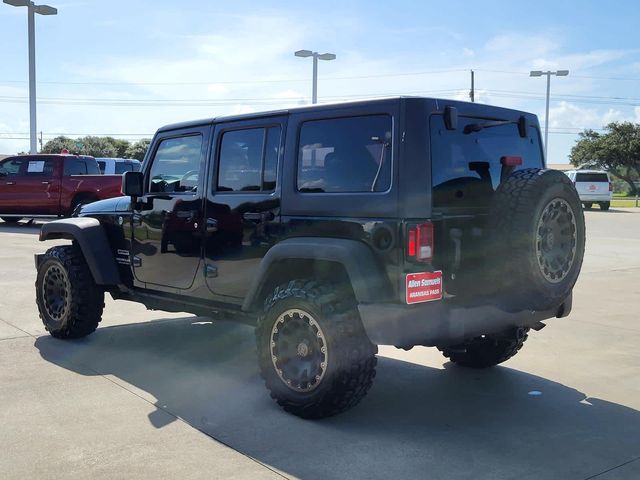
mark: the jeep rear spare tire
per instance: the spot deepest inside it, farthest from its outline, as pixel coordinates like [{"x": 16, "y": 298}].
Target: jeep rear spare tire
[
  {"x": 537, "y": 233},
  {"x": 313, "y": 353}
]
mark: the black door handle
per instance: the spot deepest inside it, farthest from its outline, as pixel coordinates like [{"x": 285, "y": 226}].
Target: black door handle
[{"x": 258, "y": 216}]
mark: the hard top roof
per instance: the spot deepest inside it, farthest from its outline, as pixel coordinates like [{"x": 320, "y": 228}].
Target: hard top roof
[{"x": 474, "y": 108}]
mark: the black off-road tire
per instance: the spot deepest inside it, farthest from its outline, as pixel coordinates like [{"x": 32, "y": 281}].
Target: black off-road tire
[
  {"x": 487, "y": 351},
  {"x": 605, "y": 206},
  {"x": 350, "y": 357},
  {"x": 528, "y": 268},
  {"x": 588, "y": 205},
  {"x": 11, "y": 219},
  {"x": 69, "y": 301}
]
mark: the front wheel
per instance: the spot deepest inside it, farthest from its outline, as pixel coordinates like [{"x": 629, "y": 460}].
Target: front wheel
[
  {"x": 69, "y": 301},
  {"x": 313, "y": 353},
  {"x": 487, "y": 350}
]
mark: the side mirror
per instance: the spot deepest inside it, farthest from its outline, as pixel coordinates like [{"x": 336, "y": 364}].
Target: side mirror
[
  {"x": 132, "y": 184},
  {"x": 450, "y": 118},
  {"x": 523, "y": 126}
]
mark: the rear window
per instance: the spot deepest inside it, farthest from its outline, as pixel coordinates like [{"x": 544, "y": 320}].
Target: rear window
[
  {"x": 466, "y": 168},
  {"x": 81, "y": 166},
  {"x": 345, "y": 155},
  {"x": 592, "y": 177}
]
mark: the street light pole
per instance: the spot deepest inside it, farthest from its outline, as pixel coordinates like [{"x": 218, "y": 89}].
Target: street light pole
[
  {"x": 539, "y": 73},
  {"x": 32, "y": 9},
  {"x": 316, "y": 56}
]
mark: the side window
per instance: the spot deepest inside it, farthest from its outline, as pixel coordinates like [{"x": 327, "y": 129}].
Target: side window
[
  {"x": 11, "y": 167},
  {"x": 345, "y": 154},
  {"x": 176, "y": 165},
  {"x": 102, "y": 165},
  {"x": 74, "y": 166},
  {"x": 248, "y": 160},
  {"x": 92, "y": 166},
  {"x": 40, "y": 168}
]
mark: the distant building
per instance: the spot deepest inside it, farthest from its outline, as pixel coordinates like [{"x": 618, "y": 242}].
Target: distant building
[{"x": 563, "y": 167}]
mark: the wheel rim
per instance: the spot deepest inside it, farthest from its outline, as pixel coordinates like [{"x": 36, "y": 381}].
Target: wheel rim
[
  {"x": 299, "y": 350},
  {"x": 556, "y": 240},
  {"x": 56, "y": 292}
]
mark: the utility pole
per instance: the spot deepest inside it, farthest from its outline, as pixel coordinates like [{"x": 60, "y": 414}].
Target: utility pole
[
  {"x": 41, "y": 140},
  {"x": 472, "y": 92}
]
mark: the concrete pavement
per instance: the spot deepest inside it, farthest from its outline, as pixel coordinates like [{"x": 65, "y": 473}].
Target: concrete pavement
[{"x": 155, "y": 395}]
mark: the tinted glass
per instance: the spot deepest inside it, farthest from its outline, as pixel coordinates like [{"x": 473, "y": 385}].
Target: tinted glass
[
  {"x": 176, "y": 165},
  {"x": 74, "y": 166},
  {"x": 102, "y": 165},
  {"x": 122, "y": 167},
  {"x": 39, "y": 167},
  {"x": 271, "y": 154},
  {"x": 345, "y": 155},
  {"x": 11, "y": 167},
  {"x": 248, "y": 160},
  {"x": 466, "y": 168},
  {"x": 92, "y": 166},
  {"x": 592, "y": 177}
]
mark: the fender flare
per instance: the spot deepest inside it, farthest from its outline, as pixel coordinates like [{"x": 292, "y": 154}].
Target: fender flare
[
  {"x": 93, "y": 242},
  {"x": 368, "y": 279}
]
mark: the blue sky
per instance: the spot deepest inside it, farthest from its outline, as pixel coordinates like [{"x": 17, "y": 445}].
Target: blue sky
[{"x": 127, "y": 68}]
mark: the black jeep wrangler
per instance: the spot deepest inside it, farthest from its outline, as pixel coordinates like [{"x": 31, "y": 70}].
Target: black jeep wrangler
[{"x": 333, "y": 229}]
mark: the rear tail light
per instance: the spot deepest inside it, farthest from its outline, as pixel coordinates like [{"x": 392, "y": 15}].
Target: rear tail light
[{"x": 420, "y": 242}]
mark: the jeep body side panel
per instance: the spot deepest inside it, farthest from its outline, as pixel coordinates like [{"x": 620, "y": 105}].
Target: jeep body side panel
[
  {"x": 366, "y": 275},
  {"x": 92, "y": 239}
]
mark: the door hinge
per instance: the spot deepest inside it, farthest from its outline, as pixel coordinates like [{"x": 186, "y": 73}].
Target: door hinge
[{"x": 210, "y": 271}]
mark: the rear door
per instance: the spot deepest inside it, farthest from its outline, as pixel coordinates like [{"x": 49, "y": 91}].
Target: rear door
[{"x": 243, "y": 203}]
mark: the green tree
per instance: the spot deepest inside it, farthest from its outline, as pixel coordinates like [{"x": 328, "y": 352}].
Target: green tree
[
  {"x": 617, "y": 150},
  {"x": 58, "y": 144},
  {"x": 138, "y": 149}
]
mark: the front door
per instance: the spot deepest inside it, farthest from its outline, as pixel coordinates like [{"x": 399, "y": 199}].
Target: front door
[
  {"x": 167, "y": 219},
  {"x": 30, "y": 185},
  {"x": 243, "y": 204}
]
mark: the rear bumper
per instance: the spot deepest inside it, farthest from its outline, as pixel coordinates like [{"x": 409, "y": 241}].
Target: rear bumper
[
  {"x": 444, "y": 323},
  {"x": 595, "y": 198}
]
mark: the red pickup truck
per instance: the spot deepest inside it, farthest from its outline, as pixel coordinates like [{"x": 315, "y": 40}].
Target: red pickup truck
[{"x": 51, "y": 185}]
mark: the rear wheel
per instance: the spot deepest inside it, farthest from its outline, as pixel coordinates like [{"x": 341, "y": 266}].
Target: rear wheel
[
  {"x": 69, "y": 301},
  {"x": 605, "y": 206},
  {"x": 11, "y": 219},
  {"x": 587, "y": 205},
  {"x": 313, "y": 353},
  {"x": 487, "y": 350}
]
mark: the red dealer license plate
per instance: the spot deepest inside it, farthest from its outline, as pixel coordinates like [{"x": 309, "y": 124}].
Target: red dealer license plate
[{"x": 424, "y": 287}]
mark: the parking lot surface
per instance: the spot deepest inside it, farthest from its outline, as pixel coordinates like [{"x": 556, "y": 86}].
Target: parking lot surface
[{"x": 156, "y": 395}]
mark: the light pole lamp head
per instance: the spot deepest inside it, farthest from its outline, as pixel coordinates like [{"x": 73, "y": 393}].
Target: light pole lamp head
[
  {"x": 327, "y": 56},
  {"x": 562, "y": 73},
  {"x": 304, "y": 53},
  {"x": 17, "y": 3},
  {"x": 535, "y": 73}
]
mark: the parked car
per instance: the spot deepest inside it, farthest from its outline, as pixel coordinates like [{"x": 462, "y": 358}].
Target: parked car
[
  {"x": 593, "y": 186},
  {"x": 117, "y": 166},
  {"x": 333, "y": 229},
  {"x": 51, "y": 185}
]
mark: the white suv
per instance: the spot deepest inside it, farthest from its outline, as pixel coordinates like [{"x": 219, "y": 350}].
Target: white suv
[{"x": 593, "y": 186}]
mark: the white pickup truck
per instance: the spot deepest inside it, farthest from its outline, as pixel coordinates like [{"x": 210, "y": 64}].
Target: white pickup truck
[
  {"x": 593, "y": 186},
  {"x": 117, "y": 166}
]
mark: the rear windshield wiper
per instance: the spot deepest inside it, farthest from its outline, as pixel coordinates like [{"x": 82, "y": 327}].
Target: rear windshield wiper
[{"x": 476, "y": 127}]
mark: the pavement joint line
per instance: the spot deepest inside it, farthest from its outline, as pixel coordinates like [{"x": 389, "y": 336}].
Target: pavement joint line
[
  {"x": 180, "y": 419},
  {"x": 14, "y": 338},
  {"x": 18, "y": 328},
  {"x": 613, "y": 468}
]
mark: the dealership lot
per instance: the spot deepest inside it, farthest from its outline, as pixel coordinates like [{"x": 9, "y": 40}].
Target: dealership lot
[{"x": 156, "y": 395}]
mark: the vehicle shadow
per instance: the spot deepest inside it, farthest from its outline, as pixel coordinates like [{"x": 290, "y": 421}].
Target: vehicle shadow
[{"x": 417, "y": 421}]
